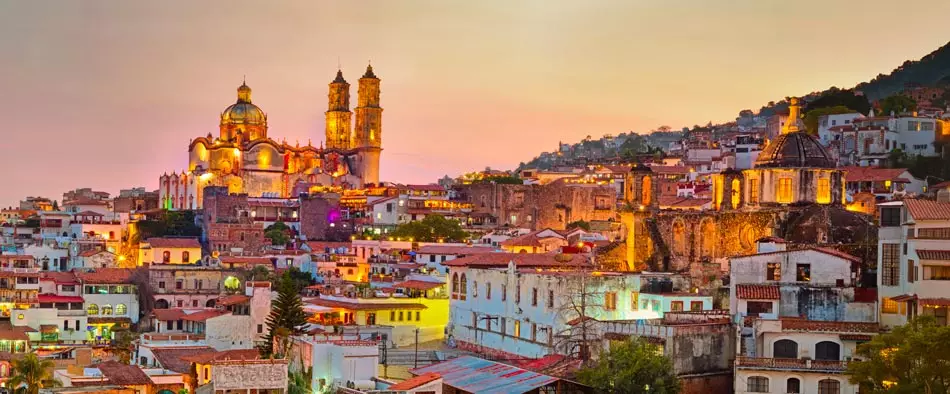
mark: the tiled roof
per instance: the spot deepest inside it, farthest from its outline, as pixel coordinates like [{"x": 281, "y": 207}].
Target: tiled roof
[
  {"x": 418, "y": 285},
  {"x": 162, "y": 242},
  {"x": 227, "y": 355},
  {"x": 107, "y": 276},
  {"x": 828, "y": 251},
  {"x": 670, "y": 170},
  {"x": 247, "y": 260},
  {"x": 934, "y": 301},
  {"x": 60, "y": 278},
  {"x": 321, "y": 246},
  {"x": 123, "y": 374},
  {"x": 233, "y": 299},
  {"x": 454, "y": 250},
  {"x": 44, "y": 298},
  {"x": 930, "y": 254},
  {"x": 477, "y": 375},
  {"x": 173, "y": 358},
  {"x": 488, "y": 260},
  {"x": 927, "y": 210},
  {"x": 168, "y": 314},
  {"x": 202, "y": 316},
  {"x": 870, "y": 174},
  {"x": 92, "y": 252},
  {"x": 829, "y": 326},
  {"x": 415, "y": 382},
  {"x": 757, "y": 292}
]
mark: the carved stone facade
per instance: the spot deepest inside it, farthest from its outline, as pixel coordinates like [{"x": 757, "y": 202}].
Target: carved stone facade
[
  {"x": 553, "y": 205},
  {"x": 250, "y": 375},
  {"x": 227, "y": 222}
]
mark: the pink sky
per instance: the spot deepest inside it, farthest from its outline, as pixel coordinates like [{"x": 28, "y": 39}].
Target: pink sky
[{"x": 106, "y": 94}]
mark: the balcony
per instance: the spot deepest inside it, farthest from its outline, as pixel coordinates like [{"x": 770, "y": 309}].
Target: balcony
[
  {"x": 796, "y": 364},
  {"x": 70, "y": 312}
]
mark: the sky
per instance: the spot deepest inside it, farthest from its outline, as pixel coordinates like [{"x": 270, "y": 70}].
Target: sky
[{"x": 107, "y": 94}]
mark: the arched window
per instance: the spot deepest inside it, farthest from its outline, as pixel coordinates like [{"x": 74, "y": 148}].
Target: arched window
[
  {"x": 645, "y": 192},
  {"x": 455, "y": 285},
  {"x": 793, "y": 386},
  {"x": 463, "y": 292},
  {"x": 757, "y": 384},
  {"x": 679, "y": 238},
  {"x": 829, "y": 386},
  {"x": 92, "y": 309},
  {"x": 106, "y": 309},
  {"x": 166, "y": 257},
  {"x": 121, "y": 309},
  {"x": 161, "y": 304},
  {"x": 709, "y": 238},
  {"x": 826, "y": 350},
  {"x": 487, "y": 290},
  {"x": 785, "y": 348},
  {"x": 185, "y": 257},
  {"x": 735, "y": 193}
]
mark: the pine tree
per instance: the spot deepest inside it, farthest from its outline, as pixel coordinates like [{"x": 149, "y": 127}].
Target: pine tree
[{"x": 286, "y": 317}]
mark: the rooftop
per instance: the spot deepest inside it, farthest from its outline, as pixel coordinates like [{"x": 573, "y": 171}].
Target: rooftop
[
  {"x": 927, "y": 209},
  {"x": 107, "y": 276},
  {"x": 168, "y": 242},
  {"x": 174, "y": 358},
  {"x": 499, "y": 260},
  {"x": 476, "y": 375}
]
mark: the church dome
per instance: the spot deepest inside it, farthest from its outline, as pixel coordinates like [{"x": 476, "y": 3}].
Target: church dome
[
  {"x": 798, "y": 149},
  {"x": 243, "y": 111}
]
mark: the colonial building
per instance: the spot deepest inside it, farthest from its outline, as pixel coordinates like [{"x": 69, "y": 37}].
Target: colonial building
[{"x": 245, "y": 159}]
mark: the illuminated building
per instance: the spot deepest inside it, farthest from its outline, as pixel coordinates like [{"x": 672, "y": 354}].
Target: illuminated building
[
  {"x": 245, "y": 159},
  {"x": 111, "y": 301}
]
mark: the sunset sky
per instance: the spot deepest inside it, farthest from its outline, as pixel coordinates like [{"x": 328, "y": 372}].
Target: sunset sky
[{"x": 107, "y": 94}]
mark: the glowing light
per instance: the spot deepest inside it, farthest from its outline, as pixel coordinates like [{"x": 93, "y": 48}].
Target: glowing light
[{"x": 205, "y": 176}]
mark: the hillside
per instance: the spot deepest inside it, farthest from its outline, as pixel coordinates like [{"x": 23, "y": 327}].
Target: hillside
[{"x": 930, "y": 70}]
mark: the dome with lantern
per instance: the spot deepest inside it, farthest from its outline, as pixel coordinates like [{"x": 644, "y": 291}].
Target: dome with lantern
[{"x": 243, "y": 111}]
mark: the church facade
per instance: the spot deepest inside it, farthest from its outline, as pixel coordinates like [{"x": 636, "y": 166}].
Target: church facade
[{"x": 245, "y": 160}]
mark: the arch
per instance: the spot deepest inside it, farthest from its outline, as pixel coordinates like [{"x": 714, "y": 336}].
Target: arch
[
  {"x": 785, "y": 348},
  {"x": 679, "y": 238},
  {"x": 107, "y": 310},
  {"x": 92, "y": 309},
  {"x": 747, "y": 237},
  {"x": 185, "y": 257},
  {"x": 463, "y": 292},
  {"x": 646, "y": 186},
  {"x": 121, "y": 309},
  {"x": 708, "y": 238},
  {"x": 793, "y": 386},
  {"x": 827, "y": 350},
  {"x": 166, "y": 257},
  {"x": 210, "y": 303},
  {"x": 734, "y": 191},
  {"x": 829, "y": 386},
  {"x": 161, "y": 303},
  {"x": 455, "y": 285}
]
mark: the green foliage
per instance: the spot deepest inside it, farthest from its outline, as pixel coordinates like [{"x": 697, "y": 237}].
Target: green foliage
[
  {"x": 278, "y": 233},
  {"x": 259, "y": 273},
  {"x": 921, "y": 166},
  {"x": 298, "y": 383},
  {"x": 172, "y": 223},
  {"x": 123, "y": 345},
  {"x": 835, "y": 97},
  {"x": 32, "y": 373},
  {"x": 929, "y": 70},
  {"x": 914, "y": 357},
  {"x": 632, "y": 366},
  {"x": 299, "y": 278},
  {"x": 431, "y": 229},
  {"x": 811, "y": 117},
  {"x": 897, "y": 104},
  {"x": 579, "y": 224},
  {"x": 286, "y": 317}
]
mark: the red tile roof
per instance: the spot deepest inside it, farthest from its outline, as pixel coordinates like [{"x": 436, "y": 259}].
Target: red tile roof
[
  {"x": 233, "y": 299},
  {"x": 793, "y": 324},
  {"x": 934, "y": 301},
  {"x": 174, "y": 358},
  {"x": 168, "y": 314},
  {"x": 417, "y": 285},
  {"x": 871, "y": 174},
  {"x": 454, "y": 250},
  {"x": 529, "y": 239},
  {"x": 927, "y": 210},
  {"x": 415, "y": 382},
  {"x": 929, "y": 254},
  {"x": 670, "y": 170},
  {"x": 123, "y": 374},
  {"x": 107, "y": 276},
  {"x": 203, "y": 315},
  {"x": 88, "y": 213},
  {"x": 246, "y": 260},
  {"x": 46, "y": 298},
  {"x": 227, "y": 355},
  {"x": 757, "y": 292},
  {"x": 60, "y": 278},
  {"x": 163, "y": 242},
  {"x": 92, "y": 252},
  {"x": 320, "y": 246},
  {"x": 363, "y": 306},
  {"x": 488, "y": 260}
]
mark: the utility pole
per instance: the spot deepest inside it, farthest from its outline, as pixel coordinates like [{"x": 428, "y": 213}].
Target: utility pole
[{"x": 415, "y": 362}]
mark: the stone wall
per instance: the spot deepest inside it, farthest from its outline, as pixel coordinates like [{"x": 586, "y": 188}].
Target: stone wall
[
  {"x": 707, "y": 384},
  {"x": 245, "y": 375},
  {"x": 553, "y": 205},
  {"x": 316, "y": 214}
]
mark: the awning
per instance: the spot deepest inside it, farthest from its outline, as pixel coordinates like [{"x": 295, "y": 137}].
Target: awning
[
  {"x": 904, "y": 297},
  {"x": 935, "y": 302}
]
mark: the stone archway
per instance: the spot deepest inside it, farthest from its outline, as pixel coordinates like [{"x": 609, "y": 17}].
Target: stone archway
[{"x": 161, "y": 303}]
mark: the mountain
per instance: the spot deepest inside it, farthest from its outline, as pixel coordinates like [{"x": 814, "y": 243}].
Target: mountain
[{"x": 930, "y": 70}]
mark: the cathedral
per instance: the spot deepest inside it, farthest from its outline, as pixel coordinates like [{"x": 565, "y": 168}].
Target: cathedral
[{"x": 243, "y": 158}]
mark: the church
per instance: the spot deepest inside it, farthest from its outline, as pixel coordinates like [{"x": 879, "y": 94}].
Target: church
[{"x": 243, "y": 158}]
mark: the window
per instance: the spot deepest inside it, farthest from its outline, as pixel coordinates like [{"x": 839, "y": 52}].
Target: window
[
  {"x": 755, "y": 308},
  {"x": 829, "y": 386},
  {"x": 610, "y": 301},
  {"x": 518, "y": 293},
  {"x": 676, "y": 306},
  {"x": 936, "y": 272},
  {"x": 161, "y": 284},
  {"x": 392, "y": 316},
  {"x": 487, "y": 290},
  {"x": 179, "y": 284},
  {"x": 803, "y": 272},
  {"x": 695, "y": 305},
  {"x": 475, "y": 289},
  {"x": 166, "y": 257},
  {"x": 185, "y": 257},
  {"x": 431, "y": 258},
  {"x": 826, "y": 350},
  {"x": 824, "y": 191},
  {"x": 757, "y": 384},
  {"x": 753, "y": 191},
  {"x": 890, "y": 216},
  {"x": 534, "y": 331},
  {"x": 180, "y": 303},
  {"x": 400, "y": 315},
  {"x": 634, "y": 301},
  {"x": 932, "y": 233},
  {"x": 785, "y": 348},
  {"x": 784, "y": 190},
  {"x": 107, "y": 310},
  {"x": 121, "y": 309},
  {"x": 890, "y": 268},
  {"x": 793, "y": 386},
  {"x": 888, "y": 305},
  {"x": 773, "y": 271},
  {"x": 194, "y": 303},
  {"x": 504, "y": 292},
  {"x": 550, "y": 298},
  {"x": 417, "y": 315},
  {"x": 534, "y": 296},
  {"x": 92, "y": 309},
  {"x": 455, "y": 286},
  {"x": 517, "y": 332},
  {"x": 912, "y": 271},
  {"x": 464, "y": 291}
]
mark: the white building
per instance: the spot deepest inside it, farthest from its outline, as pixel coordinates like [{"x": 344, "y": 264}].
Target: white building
[
  {"x": 826, "y": 122},
  {"x": 111, "y": 299},
  {"x": 433, "y": 256},
  {"x": 913, "y": 262},
  {"x": 336, "y": 362},
  {"x": 246, "y": 323}
]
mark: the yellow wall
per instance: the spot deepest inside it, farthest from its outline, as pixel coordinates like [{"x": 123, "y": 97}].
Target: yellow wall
[
  {"x": 435, "y": 314},
  {"x": 194, "y": 254}
]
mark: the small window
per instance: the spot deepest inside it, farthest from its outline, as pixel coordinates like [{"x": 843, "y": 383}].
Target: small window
[
  {"x": 92, "y": 309},
  {"x": 757, "y": 384},
  {"x": 695, "y": 305},
  {"x": 550, "y": 298},
  {"x": 517, "y": 332},
  {"x": 417, "y": 315},
  {"x": 829, "y": 386},
  {"x": 504, "y": 292},
  {"x": 676, "y": 306},
  {"x": 166, "y": 257},
  {"x": 803, "y": 273},
  {"x": 260, "y": 328},
  {"x": 121, "y": 309},
  {"x": 773, "y": 271},
  {"x": 610, "y": 301},
  {"x": 487, "y": 290},
  {"x": 785, "y": 348},
  {"x": 185, "y": 257},
  {"x": 475, "y": 289},
  {"x": 793, "y": 386},
  {"x": 534, "y": 296}
]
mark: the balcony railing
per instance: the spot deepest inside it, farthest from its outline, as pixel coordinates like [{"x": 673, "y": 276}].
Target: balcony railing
[
  {"x": 71, "y": 312},
  {"x": 791, "y": 363}
]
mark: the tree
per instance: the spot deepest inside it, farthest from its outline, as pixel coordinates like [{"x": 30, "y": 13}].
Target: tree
[
  {"x": 811, "y": 117},
  {"x": 581, "y": 303},
  {"x": 285, "y": 319},
  {"x": 631, "y": 366},
  {"x": 579, "y": 224},
  {"x": 834, "y": 97},
  {"x": 55, "y": 205},
  {"x": 123, "y": 345},
  {"x": 431, "y": 229},
  {"x": 299, "y": 278},
  {"x": 897, "y": 104},
  {"x": 278, "y": 233},
  {"x": 32, "y": 373},
  {"x": 910, "y": 359}
]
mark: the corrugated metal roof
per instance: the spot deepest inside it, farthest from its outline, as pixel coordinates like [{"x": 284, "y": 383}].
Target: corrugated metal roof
[{"x": 478, "y": 375}]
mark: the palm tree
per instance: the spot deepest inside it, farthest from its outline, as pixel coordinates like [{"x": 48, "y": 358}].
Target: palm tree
[{"x": 32, "y": 373}]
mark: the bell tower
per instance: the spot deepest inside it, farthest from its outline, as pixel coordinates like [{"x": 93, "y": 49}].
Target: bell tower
[
  {"x": 369, "y": 127},
  {"x": 338, "y": 115}
]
